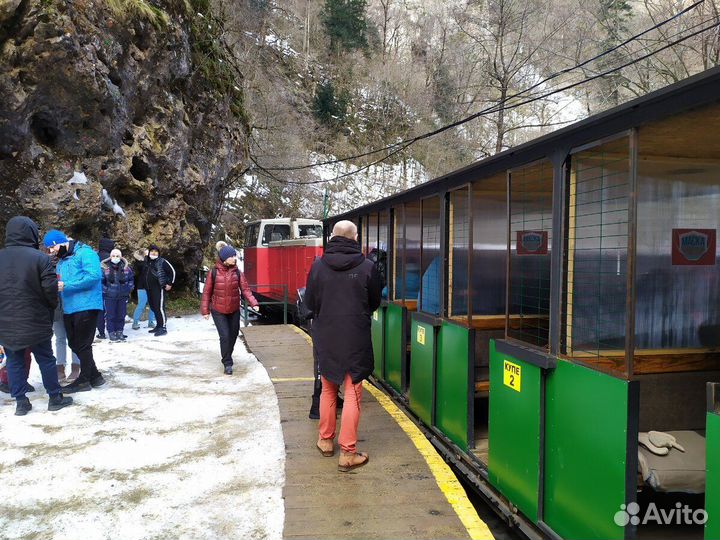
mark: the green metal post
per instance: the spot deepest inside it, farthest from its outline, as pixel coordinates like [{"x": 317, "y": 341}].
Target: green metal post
[{"x": 326, "y": 205}]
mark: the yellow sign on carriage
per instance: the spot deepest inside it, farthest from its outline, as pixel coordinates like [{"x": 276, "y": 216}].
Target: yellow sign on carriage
[
  {"x": 512, "y": 375},
  {"x": 421, "y": 335}
]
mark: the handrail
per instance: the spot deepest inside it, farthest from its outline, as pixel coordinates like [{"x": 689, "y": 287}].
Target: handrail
[{"x": 284, "y": 302}]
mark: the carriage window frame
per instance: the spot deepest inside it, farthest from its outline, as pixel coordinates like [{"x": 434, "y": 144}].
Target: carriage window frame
[
  {"x": 598, "y": 362},
  {"x": 440, "y": 200},
  {"x": 511, "y": 318},
  {"x": 451, "y": 267}
]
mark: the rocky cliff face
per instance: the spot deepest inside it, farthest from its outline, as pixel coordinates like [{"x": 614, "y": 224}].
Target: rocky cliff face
[{"x": 109, "y": 125}]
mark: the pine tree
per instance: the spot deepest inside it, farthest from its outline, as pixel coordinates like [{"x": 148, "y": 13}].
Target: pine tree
[
  {"x": 328, "y": 107},
  {"x": 346, "y": 24}
]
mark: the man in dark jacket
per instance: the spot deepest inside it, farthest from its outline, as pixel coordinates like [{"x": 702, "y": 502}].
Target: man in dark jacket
[
  {"x": 343, "y": 290},
  {"x": 160, "y": 278},
  {"x": 28, "y": 298}
]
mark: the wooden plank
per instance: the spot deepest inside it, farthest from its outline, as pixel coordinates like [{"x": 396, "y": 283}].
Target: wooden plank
[
  {"x": 394, "y": 496},
  {"x": 482, "y": 386},
  {"x": 652, "y": 361},
  {"x": 572, "y": 222}
]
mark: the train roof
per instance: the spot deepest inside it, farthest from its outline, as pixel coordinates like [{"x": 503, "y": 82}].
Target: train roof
[
  {"x": 303, "y": 221},
  {"x": 698, "y": 90}
]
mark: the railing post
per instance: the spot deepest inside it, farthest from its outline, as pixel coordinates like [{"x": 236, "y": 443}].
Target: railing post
[
  {"x": 285, "y": 298},
  {"x": 245, "y": 313}
]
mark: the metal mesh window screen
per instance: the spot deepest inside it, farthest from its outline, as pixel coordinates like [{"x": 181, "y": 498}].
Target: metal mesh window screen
[
  {"x": 365, "y": 234},
  {"x": 459, "y": 244},
  {"x": 383, "y": 250},
  {"x": 489, "y": 264},
  {"x": 530, "y": 239},
  {"x": 398, "y": 254},
  {"x": 596, "y": 252},
  {"x": 412, "y": 250},
  {"x": 372, "y": 242},
  {"x": 431, "y": 263}
]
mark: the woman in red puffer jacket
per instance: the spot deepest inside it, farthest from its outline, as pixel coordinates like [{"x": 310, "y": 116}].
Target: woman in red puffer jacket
[{"x": 221, "y": 299}]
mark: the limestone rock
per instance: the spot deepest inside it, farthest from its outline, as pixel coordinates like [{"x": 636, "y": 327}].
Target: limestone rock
[
  {"x": 122, "y": 103},
  {"x": 8, "y": 9}
]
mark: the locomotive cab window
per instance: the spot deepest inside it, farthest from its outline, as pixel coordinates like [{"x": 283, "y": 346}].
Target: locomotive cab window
[
  {"x": 310, "y": 231},
  {"x": 251, "y": 235},
  {"x": 274, "y": 233}
]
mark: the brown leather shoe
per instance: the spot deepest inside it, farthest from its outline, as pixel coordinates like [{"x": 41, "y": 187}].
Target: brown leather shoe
[
  {"x": 326, "y": 447},
  {"x": 352, "y": 460},
  {"x": 61, "y": 374}
]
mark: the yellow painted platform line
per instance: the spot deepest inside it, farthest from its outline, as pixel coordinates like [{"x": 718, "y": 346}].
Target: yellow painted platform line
[
  {"x": 303, "y": 334},
  {"x": 292, "y": 379},
  {"x": 446, "y": 480}
]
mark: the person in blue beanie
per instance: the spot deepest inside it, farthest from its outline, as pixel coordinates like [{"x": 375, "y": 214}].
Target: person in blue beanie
[{"x": 80, "y": 286}]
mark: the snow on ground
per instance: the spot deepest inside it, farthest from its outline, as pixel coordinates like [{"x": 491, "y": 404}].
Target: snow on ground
[{"x": 169, "y": 448}]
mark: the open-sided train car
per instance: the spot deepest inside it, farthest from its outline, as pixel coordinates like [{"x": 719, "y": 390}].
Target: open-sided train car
[
  {"x": 549, "y": 306},
  {"x": 277, "y": 256}
]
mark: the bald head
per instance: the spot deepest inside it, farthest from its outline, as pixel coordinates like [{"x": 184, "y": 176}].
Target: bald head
[{"x": 346, "y": 229}]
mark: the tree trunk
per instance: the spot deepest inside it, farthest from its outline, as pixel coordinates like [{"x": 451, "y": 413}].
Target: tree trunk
[{"x": 501, "y": 120}]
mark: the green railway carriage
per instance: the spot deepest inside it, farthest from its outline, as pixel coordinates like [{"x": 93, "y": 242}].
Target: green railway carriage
[{"x": 547, "y": 307}]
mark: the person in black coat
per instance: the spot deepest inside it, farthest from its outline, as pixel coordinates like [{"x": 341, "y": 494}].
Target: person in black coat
[
  {"x": 160, "y": 278},
  {"x": 105, "y": 246},
  {"x": 343, "y": 290},
  {"x": 28, "y": 298}
]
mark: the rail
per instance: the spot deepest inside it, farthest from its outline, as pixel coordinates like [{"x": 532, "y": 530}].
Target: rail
[{"x": 284, "y": 301}]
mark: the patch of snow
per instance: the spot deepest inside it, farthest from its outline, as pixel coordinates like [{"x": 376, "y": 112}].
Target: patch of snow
[
  {"x": 111, "y": 203},
  {"x": 78, "y": 178},
  {"x": 170, "y": 447}
]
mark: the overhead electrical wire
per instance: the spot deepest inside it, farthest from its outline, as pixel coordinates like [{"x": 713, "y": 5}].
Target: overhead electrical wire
[
  {"x": 402, "y": 145},
  {"x": 496, "y": 106}
]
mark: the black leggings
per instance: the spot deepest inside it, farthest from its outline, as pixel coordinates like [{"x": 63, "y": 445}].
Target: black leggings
[
  {"x": 228, "y": 328},
  {"x": 80, "y": 328},
  {"x": 156, "y": 299}
]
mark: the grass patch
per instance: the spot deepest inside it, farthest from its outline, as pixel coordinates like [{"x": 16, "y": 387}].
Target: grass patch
[
  {"x": 126, "y": 9},
  {"x": 184, "y": 303},
  {"x": 177, "y": 304}
]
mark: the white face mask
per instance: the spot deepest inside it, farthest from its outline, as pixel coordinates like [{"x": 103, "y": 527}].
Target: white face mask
[
  {"x": 153, "y": 257},
  {"x": 115, "y": 260}
]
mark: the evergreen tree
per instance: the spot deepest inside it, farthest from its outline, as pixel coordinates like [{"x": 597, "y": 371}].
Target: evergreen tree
[
  {"x": 346, "y": 24},
  {"x": 328, "y": 107}
]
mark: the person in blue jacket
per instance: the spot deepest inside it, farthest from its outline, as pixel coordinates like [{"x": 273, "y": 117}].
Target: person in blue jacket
[
  {"x": 117, "y": 284},
  {"x": 80, "y": 285}
]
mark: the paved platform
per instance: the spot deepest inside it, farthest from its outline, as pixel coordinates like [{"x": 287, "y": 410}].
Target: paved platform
[{"x": 403, "y": 492}]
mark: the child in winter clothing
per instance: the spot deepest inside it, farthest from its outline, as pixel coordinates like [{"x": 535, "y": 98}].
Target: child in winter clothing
[
  {"x": 223, "y": 287},
  {"x": 4, "y": 382},
  {"x": 117, "y": 282}
]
